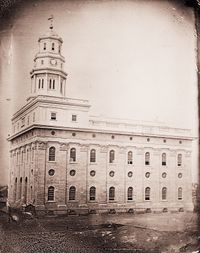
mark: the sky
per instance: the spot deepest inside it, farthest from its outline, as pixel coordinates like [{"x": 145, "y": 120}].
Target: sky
[{"x": 131, "y": 59}]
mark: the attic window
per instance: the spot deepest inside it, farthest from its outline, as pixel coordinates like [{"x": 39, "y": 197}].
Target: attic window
[
  {"x": 53, "y": 116},
  {"x": 74, "y": 117}
]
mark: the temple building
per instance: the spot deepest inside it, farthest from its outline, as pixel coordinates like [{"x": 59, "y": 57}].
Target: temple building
[{"x": 62, "y": 160}]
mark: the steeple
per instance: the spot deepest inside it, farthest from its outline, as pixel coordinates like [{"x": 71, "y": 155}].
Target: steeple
[{"x": 48, "y": 76}]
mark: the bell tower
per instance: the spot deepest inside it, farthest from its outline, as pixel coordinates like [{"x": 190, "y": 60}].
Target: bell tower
[{"x": 47, "y": 76}]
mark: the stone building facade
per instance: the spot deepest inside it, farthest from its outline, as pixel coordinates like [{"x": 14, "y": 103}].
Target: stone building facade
[{"x": 63, "y": 160}]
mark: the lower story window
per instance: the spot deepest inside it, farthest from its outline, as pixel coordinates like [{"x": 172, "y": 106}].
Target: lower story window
[{"x": 51, "y": 193}]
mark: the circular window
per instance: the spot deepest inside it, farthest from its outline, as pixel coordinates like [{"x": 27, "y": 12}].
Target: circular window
[
  {"x": 72, "y": 172},
  {"x": 180, "y": 175},
  {"x": 51, "y": 172},
  {"x": 113, "y": 137},
  {"x": 180, "y": 142},
  {"x": 94, "y": 135},
  {"x": 147, "y": 175},
  {"x": 53, "y": 132},
  {"x": 130, "y": 174},
  {"x": 112, "y": 173},
  {"x": 164, "y": 141},
  {"x": 92, "y": 173},
  {"x": 164, "y": 174},
  {"x": 73, "y": 134},
  {"x": 148, "y": 139},
  {"x": 131, "y": 138}
]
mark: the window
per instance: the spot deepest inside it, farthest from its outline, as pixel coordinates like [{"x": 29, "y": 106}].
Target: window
[
  {"x": 180, "y": 193},
  {"x": 147, "y": 174},
  {"x": 72, "y": 193},
  {"x": 92, "y": 173},
  {"x": 130, "y": 193},
  {"x": 50, "y": 84},
  {"x": 45, "y": 45},
  {"x": 53, "y": 84},
  {"x": 42, "y": 62},
  {"x": 51, "y": 193},
  {"x": 164, "y": 193},
  {"x": 130, "y": 157},
  {"x": 20, "y": 188},
  {"x": 28, "y": 120},
  {"x": 51, "y": 172},
  {"x": 42, "y": 83},
  {"x": 53, "y": 46},
  {"x": 15, "y": 190},
  {"x": 74, "y": 117},
  {"x": 34, "y": 117},
  {"x": 147, "y": 193},
  {"x": 92, "y": 193},
  {"x": 112, "y": 193},
  {"x": 147, "y": 158},
  {"x": 59, "y": 49},
  {"x": 72, "y": 155},
  {"x": 53, "y": 115},
  {"x": 27, "y": 155},
  {"x": 39, "y": 84},
  {"x": 179, "y": 159},
  {"x": 52, "y": 153},
  {"x": 111, "y": 156},
  {"x": 26, "y": 190},
  {"x": 164, "y": 159},
  {"x": 93, "y": 156},
  {"x": 61, "y": 86}
]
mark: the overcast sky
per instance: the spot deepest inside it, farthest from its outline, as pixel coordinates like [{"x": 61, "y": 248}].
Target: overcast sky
[{"x": 130, "y": 59}]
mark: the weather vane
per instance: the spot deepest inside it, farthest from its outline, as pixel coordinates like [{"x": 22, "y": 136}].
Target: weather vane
[{"x": 51, "y": 22}]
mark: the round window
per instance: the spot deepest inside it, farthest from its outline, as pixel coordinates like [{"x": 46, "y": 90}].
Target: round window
[
  {"x": 131, "y": 138},
  {"x": 73, "y": 134},
  {"x": 53, "y": 132},
  {"x": 51, "y": 172},
  {"x": 94, "y": 135},
  {"x": 72, "y": 172},
  {"x": 164, "y": 174},
  {"x": 92, "y": 173},
  {"x": 148, "y": 139},
  {"x": 147, "y": 175},
  {"x": 112, "y": 173},
  {"x": 180, "y": 175},
  {"x": 130, "y": 174}
]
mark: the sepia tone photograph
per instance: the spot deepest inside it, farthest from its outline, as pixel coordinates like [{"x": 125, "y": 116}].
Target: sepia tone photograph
[{"x": 99, "y": 130}]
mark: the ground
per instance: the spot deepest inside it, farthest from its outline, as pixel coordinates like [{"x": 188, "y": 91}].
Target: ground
[{"x": 156, "y": 233}]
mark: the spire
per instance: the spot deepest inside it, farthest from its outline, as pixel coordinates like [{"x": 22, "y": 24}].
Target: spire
[{"x": 51, "y": 22}]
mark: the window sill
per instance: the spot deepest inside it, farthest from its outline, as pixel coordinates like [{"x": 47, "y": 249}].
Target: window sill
[
  {"x": 51, "y": 201},
  {"x": 73, "y": 162},
  {"x": 93, "y": 163}
]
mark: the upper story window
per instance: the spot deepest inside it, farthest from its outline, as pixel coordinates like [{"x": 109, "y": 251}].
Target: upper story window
[
  {"x": 111, "y": 156},
  {"x": 74, "y": 117},
  {"x": 72, "y": 155},
  {"x": 147, "y": 158},
  {"x": 130, "y": 193},
  {"x": 130, "y": 157},
  {"x": 61, "y": 86},
  {"x": 147, "y": 193},
  {"x": 93, "y": 156},
  {"x": 23, "y": 122},
  {"x": 112, "y": 193},
  {"x": 53, "y": 115},
  {"x": 42, "y": 84},
  {"x": 92, "y": 193},
  {"x": 51, "y": 191},
  {"x": 52, "y": 84},
  {"x": 164, "y": 159},
  {"x": 39, "y": 83},
  {"x": 53, "y": 46},
  {"x": 59, "y": 49},
  {"x": 164, "y": 193},
  {"x": 179, "y": 159},
  {"x": 45, "y": 46},
  {"x": 52, "y": 154},
  {"x": 72, "y": 193},
  {"x": 42, "y": 62}
]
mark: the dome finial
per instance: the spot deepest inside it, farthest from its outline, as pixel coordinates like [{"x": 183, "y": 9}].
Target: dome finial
[{"x": 51, "y": 22}]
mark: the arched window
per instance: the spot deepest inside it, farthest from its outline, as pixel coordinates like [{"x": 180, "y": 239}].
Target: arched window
[
  {"x": 20, "y": 188},
  {"x": 52, "y": 154},
  {"x": 130, "y": 193},
  {"x": 164, "y": 159},
  {"x": 147, "y": 193},
  {"x": 39, "y": 84},
  {"x": 15, "y": 190},
  {"x": 50, "y": 83},
  {"x": 180, "y": 193},
  {"x": 72, "y": 193},
  {"x": 53, "y": 84},
  {"x": 130, "y": 157},
  {"x": 72, "y": 155},
  {"x": 92, "y": 193},
  {"x": 164, "y": 193},
  {"x": 93, "y": 156},
  {"x": 179, "y": 159},
  {"x": 51, "y": 191},
  {"x": 45, "y": 45},
  {"x": 53, "y": 46},
  {"x": 111, "y": 156},
  {"x": 42, "y": 83},
  {"x": 25, "y": 190},
  {"x": 112, "y": 193},
  {"x": 147, "y": 158}
]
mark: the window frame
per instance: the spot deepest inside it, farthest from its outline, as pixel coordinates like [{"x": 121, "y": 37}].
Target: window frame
[
  {"x": 52, "y": 154},
  {"x": 164, "y": 159},
  {"x": 93, "y": 155},
  {"x": 53, "y": 116},
  {"x": 72, "y": 155},
  {"x": 130, "y": 157},
  {"x": 72, "y": 193},
  {"x": 147, "y": 194},
  {"x": 164, "y": 193},
  {"x": 130, "y": 193},
  {"x": 92, "y": 193},
  {"x": 51, "y": 194},
  {"x": 111, "y": 156},
  {"x": 147, "y": 158},
  {"x": 112, "y": 193}
]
